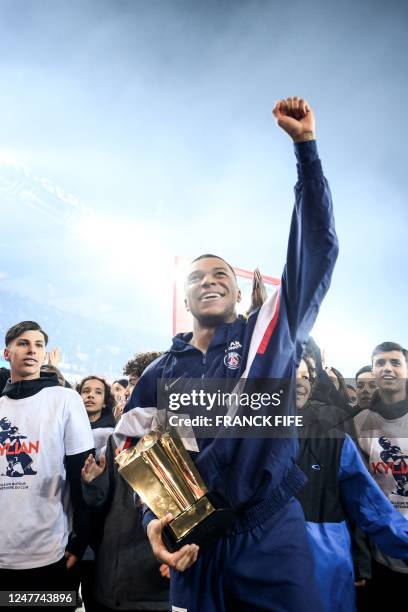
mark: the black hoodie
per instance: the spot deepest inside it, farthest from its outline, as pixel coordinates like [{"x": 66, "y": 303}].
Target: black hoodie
[{"x": 27, "y": 388}]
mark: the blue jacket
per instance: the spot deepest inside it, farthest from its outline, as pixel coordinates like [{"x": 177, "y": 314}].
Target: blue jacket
[
  {"x": 340, "y": 487},
  {"x": 268, "y": 345}
]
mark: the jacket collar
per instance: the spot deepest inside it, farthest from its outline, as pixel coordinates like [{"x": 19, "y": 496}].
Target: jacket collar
[{"x": 223, "y": 333}]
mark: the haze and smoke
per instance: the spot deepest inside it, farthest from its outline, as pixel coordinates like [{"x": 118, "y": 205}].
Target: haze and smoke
[{"x": 135, "y": 131}]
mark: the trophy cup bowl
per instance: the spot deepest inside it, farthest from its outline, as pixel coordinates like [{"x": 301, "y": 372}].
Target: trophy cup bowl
[{"x": 166, "y": 479}]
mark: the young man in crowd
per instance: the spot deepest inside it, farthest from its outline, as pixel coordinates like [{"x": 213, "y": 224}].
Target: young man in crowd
[
  {"x": 340, "y": 492},
  {"x": 45, "y": 437},
  {"x": 263, "y": 561},
  {"x": 134, "y": 368},
  {"x": 383, "y": 438}
]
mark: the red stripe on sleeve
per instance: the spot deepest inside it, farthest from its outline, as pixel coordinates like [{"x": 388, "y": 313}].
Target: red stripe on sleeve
[
  {"x": 128, "y": 443},
  {"x": 269, "y": 330}
]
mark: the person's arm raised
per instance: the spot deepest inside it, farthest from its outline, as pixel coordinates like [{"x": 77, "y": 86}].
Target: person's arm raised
[{"x": 313, "y": 246}]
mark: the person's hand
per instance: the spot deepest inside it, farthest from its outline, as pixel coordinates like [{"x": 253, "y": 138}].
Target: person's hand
[
  {"x": 118, "y": 409},
  {"x": 181, "y": 559},
  {"x": 164, "y": 571},
  {"x": 360, "y": 583},
  {"x": 259, "y": 293},
  {"x": 91, "y": 469},
  {"x": 70, "y": 559},
  {"x": 54, "y": 357},
  {"x": 295, "y": 117}
]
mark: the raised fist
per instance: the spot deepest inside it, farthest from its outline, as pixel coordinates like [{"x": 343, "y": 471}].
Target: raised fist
[{"x": 295, "y": 116}]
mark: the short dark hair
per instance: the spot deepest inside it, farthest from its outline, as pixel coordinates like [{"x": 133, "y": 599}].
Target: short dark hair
[
  {"x": 108, "y": 398},
  {"x": 123, "y": 382},
  {"x": 386, "y": 347},
  {"x": 350, "y": 387},
  {"x": 211, "y": 255},
  {"x": 140, "y": 361},
  {"x": 363, "y": 370},
  {"x": 20, "y": 328}
]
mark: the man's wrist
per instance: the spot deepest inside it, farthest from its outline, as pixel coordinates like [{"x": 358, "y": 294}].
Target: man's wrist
[
  {"x": 305, "y": 137},
  {"x": 306, "y": 152}
]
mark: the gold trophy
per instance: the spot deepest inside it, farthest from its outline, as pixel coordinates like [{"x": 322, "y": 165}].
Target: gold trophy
[{"x": 166, "y": 479}]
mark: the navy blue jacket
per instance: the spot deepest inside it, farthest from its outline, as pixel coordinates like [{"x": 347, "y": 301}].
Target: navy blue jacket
[{"x": 268, "y": 345}]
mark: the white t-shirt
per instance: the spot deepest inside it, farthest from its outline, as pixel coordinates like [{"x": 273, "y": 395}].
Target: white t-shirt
[
  {"x": 386, "y": 455},
  {"x": 35, "y": 435}
]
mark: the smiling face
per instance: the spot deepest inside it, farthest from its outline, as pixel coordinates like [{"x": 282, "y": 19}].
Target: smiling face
[
  {"x": 26, "y": 354},
  {"x": 93, "y": 395},
  {"x": 390, "y": 373},
  {"x": 211, "y": 292},
  {"x": 303, "y": 385}
]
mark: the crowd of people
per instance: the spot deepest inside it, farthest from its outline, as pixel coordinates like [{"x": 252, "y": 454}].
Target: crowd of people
[{"x": 318, "y": 522}]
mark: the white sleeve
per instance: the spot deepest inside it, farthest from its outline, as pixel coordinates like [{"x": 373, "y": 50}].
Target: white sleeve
[{"x": 77, "y": 432}]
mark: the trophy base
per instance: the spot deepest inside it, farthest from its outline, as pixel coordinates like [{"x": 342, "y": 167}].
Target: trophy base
[{"x": 201, "y": 524}]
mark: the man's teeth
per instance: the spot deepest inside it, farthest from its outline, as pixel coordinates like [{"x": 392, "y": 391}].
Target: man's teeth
[{"x": 211, "y": 296}]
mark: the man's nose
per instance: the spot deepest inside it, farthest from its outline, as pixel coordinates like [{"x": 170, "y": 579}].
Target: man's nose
[{"x": 207, "y": 280}]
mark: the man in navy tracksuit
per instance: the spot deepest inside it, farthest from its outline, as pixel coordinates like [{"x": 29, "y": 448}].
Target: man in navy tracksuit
[{"x": 263, "y": 561}]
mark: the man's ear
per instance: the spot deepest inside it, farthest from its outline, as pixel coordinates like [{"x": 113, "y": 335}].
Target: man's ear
[
  {"x": 6, "y": 354},
  {"x": 239, "y": 296},
  {"x": 186, "y": 305}
]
